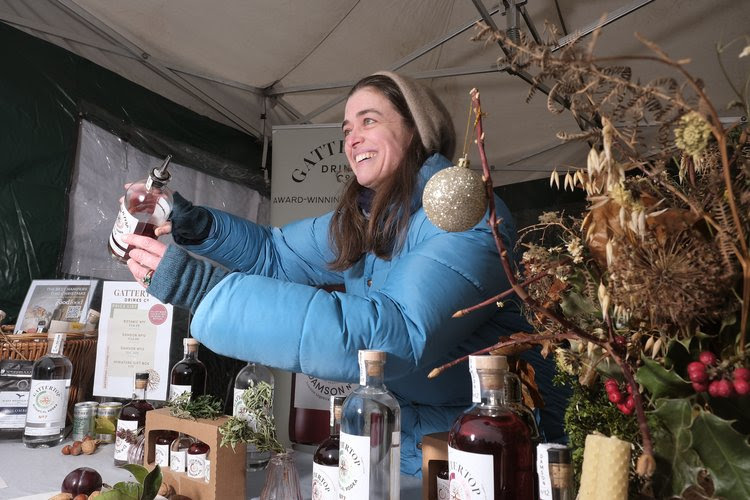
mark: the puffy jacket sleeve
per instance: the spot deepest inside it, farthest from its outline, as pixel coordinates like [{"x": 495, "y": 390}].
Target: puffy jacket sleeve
[
  {"x": 297, "y": 252},
  {"x": 300, "y": 328}
]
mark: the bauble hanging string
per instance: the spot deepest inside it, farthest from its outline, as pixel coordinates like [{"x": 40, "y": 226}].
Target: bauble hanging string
[{"x": 455, "y": 199}]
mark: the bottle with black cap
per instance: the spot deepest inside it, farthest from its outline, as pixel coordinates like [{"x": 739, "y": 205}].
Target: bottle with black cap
[{"x": 146, "y": 205}]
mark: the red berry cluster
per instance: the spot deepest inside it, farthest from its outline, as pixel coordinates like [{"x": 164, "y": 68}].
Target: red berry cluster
[
  {"x": 715, "y": 383},
  {"x": 625, "y": 404}
]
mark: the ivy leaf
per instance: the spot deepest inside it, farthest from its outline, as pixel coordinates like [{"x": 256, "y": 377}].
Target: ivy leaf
[
  {"x": 661, "y": 382},
  {"x": 725, "y": 453},
  {"x": 677, "y": 462}
]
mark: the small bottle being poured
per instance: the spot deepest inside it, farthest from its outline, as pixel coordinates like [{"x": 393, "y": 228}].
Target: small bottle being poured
[{"x": 145, "y": 206}]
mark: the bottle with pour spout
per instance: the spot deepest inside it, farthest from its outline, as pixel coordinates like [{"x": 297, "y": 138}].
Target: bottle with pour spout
[{"x": 145, "y": 206}]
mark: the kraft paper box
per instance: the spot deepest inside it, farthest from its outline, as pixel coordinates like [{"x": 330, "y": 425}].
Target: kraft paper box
[
  {"x": 434, "y": 451},
  {"x": 227, "y": 465}
]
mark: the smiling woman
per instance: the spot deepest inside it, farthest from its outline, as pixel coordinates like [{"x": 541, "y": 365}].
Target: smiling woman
[{"x": 403, "y": 276}]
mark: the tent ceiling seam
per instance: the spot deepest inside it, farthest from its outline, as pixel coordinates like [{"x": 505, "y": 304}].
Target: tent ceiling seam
[{"x": 101, "y": 26}]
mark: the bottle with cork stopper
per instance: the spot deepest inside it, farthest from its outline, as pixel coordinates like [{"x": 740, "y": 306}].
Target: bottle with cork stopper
[{"x": 490, "y": 451}]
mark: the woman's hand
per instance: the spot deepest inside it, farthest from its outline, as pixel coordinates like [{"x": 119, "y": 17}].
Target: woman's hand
[{"x": 145, "y": 255}]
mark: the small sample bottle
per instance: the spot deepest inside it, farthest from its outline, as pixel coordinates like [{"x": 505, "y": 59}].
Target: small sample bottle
[
  {"x": 561, "y": 473},
  {"x": 178, "y": 453},
  {"x": 442, "y": 481},
  {"x": 325, "y": 474},
  {"x": 489, "y": 445},
  {"x": 207, "y": 477},
  {"x": 145, "y": 206},
  {"x": 188, "y": 374},
  {"x": 132, "y": 419},
  {"x": 196, "y": 460},
  {"x": 48, "y": 396},
  {"x": 161, "y": 447},
  {"x": 370, "y": 452},
  {"x": 259, "y": 378}
]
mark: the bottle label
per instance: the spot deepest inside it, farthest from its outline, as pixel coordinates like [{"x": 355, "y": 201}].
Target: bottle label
[
  {"x": 125, "y": 437},
  {"x": 207, "y": 468},
  {"x": 443, "y": 493},
  {"x": 471, "y": 475},
  {"x": 315, "y": 393},
  {"x": 177, "y": 390},
  {"x": 177, "y": 460},
  {"x": 161, "y": 455},
  {"x": 196, "y": 466},
  {"x": 354, "y": 467},
  {"x": 45, "y": 415},
  {"x": 362, "y": 369},
  {"x": 124, "y": 224},
  {"x": 57, "y": 344},
  {"x": 325, "y": 483},
  {"x": 395, "y": 462},
  {"x": 476, "y": 391}
]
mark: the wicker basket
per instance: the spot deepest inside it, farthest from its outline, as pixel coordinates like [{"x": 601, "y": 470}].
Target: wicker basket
[{"x": 79, "y": 348}]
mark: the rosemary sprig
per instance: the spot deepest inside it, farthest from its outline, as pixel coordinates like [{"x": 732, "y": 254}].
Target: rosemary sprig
[
  {"x": 205, "y": 406},
  {"x": 254, "y": 425}
]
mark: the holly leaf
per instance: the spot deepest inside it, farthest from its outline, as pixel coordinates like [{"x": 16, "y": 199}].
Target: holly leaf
[
  {"x": 661, "y": 382},
  {"x": 725, "y": 453},
  {"x": 677, "y": 463}
]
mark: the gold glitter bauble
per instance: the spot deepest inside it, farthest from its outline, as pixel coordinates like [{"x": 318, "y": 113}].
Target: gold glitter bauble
[{"x": 455, "y": 199}]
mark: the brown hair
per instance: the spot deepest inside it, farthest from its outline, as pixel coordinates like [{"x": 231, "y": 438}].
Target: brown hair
[{"x": 351, "y": 233}]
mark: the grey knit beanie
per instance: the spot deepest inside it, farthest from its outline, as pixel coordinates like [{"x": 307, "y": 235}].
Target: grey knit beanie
[{"x": 434, "y": 124}]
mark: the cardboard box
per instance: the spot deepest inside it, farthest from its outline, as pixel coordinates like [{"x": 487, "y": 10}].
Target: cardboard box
[
  {"x": 227, "y": 465},
  {"x": 434, "y": 452}
]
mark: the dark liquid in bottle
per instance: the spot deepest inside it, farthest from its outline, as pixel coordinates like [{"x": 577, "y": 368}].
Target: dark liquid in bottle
[
  {"x": 165, "y": 437},
  {"x": 308, "y": 426},
  {"x": 197, "y": 448},
  {"x": 328, "y": 452},
  {"x": 507, "y": 438},
  {"x": 190, "y": 372},
  {"x": 136, "y": 411},
  {"x": 142, "y": 228}
]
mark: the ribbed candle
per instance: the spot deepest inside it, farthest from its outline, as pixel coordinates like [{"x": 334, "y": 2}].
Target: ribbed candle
[{"x": 606, "y": 461}]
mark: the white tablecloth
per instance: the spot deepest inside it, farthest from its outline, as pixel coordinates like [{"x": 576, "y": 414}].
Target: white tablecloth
[{"x": 38, "y": 473}]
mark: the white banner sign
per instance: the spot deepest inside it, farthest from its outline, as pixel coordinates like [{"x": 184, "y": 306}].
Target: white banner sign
[
  {"x": 309, "y": 169},
  {"x": 135, "y": 331}
]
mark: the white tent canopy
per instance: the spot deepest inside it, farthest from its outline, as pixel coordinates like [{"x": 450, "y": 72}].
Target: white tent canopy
[{"x": 253, "y": 64}]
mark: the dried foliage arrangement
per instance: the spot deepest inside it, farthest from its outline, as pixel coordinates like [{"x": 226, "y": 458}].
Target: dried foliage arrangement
[{"x": 644, "y": 298}]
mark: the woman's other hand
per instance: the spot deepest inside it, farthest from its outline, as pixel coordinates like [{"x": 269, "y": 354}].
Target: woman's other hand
[{"x": 145, "y": 256}]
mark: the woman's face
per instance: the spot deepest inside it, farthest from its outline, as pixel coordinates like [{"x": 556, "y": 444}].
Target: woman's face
[{"x": 375, "y": 136}]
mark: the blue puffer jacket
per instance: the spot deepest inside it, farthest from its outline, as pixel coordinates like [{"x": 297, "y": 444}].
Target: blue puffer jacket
[{"x": 269, "y": 310}]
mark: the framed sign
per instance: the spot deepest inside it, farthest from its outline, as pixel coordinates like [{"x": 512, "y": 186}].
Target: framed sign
[
  {"x": 135, "y": 332},
  {"x": 55, "y": 302}
]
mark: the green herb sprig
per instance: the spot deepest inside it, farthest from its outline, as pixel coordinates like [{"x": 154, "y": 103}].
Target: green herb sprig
[
  {"x": 255, "y": 425},
  {"x": 205, "y": 406}
]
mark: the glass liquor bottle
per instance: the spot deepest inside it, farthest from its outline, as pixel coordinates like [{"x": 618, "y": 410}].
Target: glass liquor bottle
[
  {"x": 325, "y": 474},
  {"x": 442, "y": 481},
  {"x": 490, "y": 452},
  {"x": 514, "y": 401},
  {"x": 308, "y": 416},
  {"x": 132, "y": 419},
  {"x": 146, "y": 205},
  {"x": 161, "y": 447},
  {"x": 48, "y": 396},
  {"x": 370, "y": 453},
  {"x": 260, "y": 379},
  {"x": 188, "y": 374},
  {"x": 178, "y": 452},
  {"x": 196, "y": 460}
]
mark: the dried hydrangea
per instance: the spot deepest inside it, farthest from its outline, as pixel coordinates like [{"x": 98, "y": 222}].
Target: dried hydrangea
[{"x": 692, "y": 133}]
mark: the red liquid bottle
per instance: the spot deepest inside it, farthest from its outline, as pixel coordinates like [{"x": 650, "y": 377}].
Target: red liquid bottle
[
  {"x": 161, "y": 447},
  {"x": 490, "y": 451},
  {"x": 132, "y": 419},
  {"x": 308, "y": 415},
  {"x": 188, "y": 374},
  {"x": 145, "y": 206},
  {"x": 325, "y": 481},
  {"x": 196, "y": 460}
]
